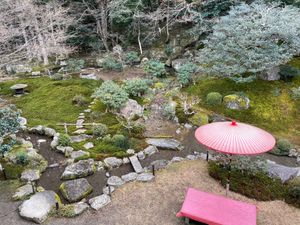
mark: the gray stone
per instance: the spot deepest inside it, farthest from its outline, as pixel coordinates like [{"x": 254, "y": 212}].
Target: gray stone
[
  {"x": 165, "y": 143},
  {"x": 79, "y": 123},
  {"x": 88, "y": 145},
  {"x": 30, "y": 175},
  {"x": 145, "y": 177},
  {"x": 191, "y": 157},
  {"x": 271, "y": 74},
  {"x": 75, "y": 190},
  {"x": 177, "y": 159},
  {"x": 80, "y": 131},
  {"x": 115, "y": 181},
  {"x": 188, "y": 126},
  {"x": 285, "y": 173},
  {"x": 87, "y": 110},
  {"x": 99, "y": 166},
  {"x": 136, "y": 164},
  {"x": 150, "y": 150},
  {"x": 18, "y": 86},
  {"x": 130, "y": 151},
  {"x": 177, "y": 63},
  {"x": 159, "y": 164},
  {"x": 99, "y": 201},
  {"x": 82, "y": 168},
  {"x": 129, "y": 177},
  {"x": 54, "y": 143},
  {"x": 37, "y": 130},
  {"x": 22, "y": 121},
  {"x": 106, "y": 190},
  {"x": 126, "y": 160},
  {"x": 141, "y": 155},
  {"x": 38, "y": 206},
  {"x": 64, "y": 149},
  {"x": 80, "y": 138},
  {"x": 77, "y": 154},
  {"x": 23, "y": 192},
  {"x": 91, "y": 76},
  {"x": 79, "y": 208},
  {"x": 113, "y": 162},
  {"x": 49, "y": 132},
  {"x": 36, "y": 73},
  {"x": 294, "y": 153},
  {"x": 131, "y": 109}
]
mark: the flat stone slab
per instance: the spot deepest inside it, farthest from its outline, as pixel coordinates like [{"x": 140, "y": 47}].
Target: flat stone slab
[
  {"x": 38, "y": 206},
  {"x": 82, "y": 168},
  {"x": 136, "y": 164},
  {"x": 99, "y": 201},
  {"x": 177, "y": 159},
  {"x": 75, "y": 190},
  {"x": 80, "y": 138},
  {"x": 150, "y": 150},
  {"x": 79, "y": 208},
  {"x": 129, "y": 177},
  {"x": 165, "y": 143},
  {"x": 80, "y": 131},
  {"x": 285, "y": 173},
  {"x": 145, "y": 177},
  {"x": 159, "y": 164},
  {"x": 78, "y": 154},
  {"x": 23, "y": 192},
  {"x": 115, "y": 181},
  {"x": 30, "y": 175},
  {"x": 113, "y": 162},
  {"x": 88, "y": 145},
  {"x": 18, "y": 86}
]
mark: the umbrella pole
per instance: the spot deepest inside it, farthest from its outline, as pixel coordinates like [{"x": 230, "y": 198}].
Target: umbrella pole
[
  {"x": 207, "y": 155},
  {"x": 228, "y": 178}
]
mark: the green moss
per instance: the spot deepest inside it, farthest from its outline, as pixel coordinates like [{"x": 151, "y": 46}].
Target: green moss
[
  {"x": 12, "y": 171},
  {"x": 234, "y": 98},
  {"x": 199, "y": 118},
  {"x": 50, "y": 102}
]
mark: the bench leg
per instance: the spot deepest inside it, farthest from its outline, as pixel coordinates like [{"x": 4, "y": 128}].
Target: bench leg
[{"x": 186, "y": 220}]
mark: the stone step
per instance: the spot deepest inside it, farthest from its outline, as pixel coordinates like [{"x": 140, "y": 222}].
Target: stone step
[{"x": 136, "y": 164}]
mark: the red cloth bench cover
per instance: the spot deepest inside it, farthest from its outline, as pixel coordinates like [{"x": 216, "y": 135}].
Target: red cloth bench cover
[{"x": 216, "y": 210}]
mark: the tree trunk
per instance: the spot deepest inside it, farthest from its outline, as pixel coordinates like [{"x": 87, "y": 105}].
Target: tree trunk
[{"x": 102, "y": 22}]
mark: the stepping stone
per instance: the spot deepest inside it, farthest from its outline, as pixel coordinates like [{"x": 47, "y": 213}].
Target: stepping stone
[
  {"x": 115, "y": 181},
  {"x": 150, "y": 150},
  {"x": 80, "y": 153},
  {"x": 23, "y": 192},
  {"x": 136, "y": 164},
  {"x": 79, "y": 123},
  {"x": 30, "y": 175},
  {"x": 88, "y": 145},
  {"x": 165, "y": 143},
  {"x": 113, "y": 162},
  {"x": 80, "y": 131},
  {"x": 80, "y": 138},
  {"x": 129, "y": 177},
  {"x": 81, "y": 114},
  {"x": 145, "y": 177},
  {"x": 81, "y": 117},
  {"x": 99, "y": 201},
  {"x": 75, "y": 190},
  {"x": 87, "y": 110}
]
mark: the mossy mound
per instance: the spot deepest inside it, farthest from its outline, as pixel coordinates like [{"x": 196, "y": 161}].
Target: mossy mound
[{"x": 235, "y": 101}]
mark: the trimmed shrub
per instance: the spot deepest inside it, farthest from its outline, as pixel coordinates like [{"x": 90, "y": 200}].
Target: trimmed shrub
[
  {"x": 132, "y": 58},
  {"x": 214, "y": 98},
  {"x": 64, "y": 140},
  {"x": 136, "y": 87},
  {"x": 22, "y": 158},
  {"x": 293, "y": 193},
  {"x": 74, "y": 65},
  {"x": 283, "y": 147},
  {"x": 185, "y": 73},
  {"x": 155, "y": 68},
  {"x": 79, "y": 100},
  {"x": 120, "y": 141},
  {"x": 100, "y": 130},
  {"x": 110, "y": 63}
]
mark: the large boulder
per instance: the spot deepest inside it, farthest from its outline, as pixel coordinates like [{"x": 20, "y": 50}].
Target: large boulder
[
  {"x": 237, "y": 102},
  {"x": 75, "y": 190},
  {"x": 83, "y": 168},
  {"x": 38, "y": 206},
  {"x": 23, "y": 192},
  {"x": 285, "y": 173},
  {"x": 131, "y": 109},
  {"x": 113, "y": 162},
  {"x": 165, "y": 143},
  {"x": 99, "y": 201}
]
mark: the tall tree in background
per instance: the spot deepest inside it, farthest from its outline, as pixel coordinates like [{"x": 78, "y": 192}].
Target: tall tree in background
[{"x": 252, "y": 38}]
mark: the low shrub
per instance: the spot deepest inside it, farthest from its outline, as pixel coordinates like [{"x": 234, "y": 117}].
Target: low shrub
[
  {"x": 100, "y": 130},
  {"x": 185, "y": 73},
  {"x": 110, "y": 63},
  {"x": 295, "y": 93},
  {"x": 74, "y": 65},
  {"x": 79, "y": 100},
  {"x": 57, "y": 76},
  {"x": 64, "y": 140},
  {"x": 136, "y": 87},
  {"x": 293, "y": 193},
  {"x": 287, "y": 72},
  {"x": 169, "y": 111},
  {"x": 120, "y": 141},
  {"x": 282, "y": 147},
  {"x": 214, "y": 98},
  {"x": 138, "y": 130},
  {"x": 132, "y": 58},
  {"x": 155, "y": 68},
  {"x": 22, "y": 158}
]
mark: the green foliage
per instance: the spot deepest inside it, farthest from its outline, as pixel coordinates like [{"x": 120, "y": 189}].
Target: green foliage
[
  {"x": 120, "y": 141},
  {"x": 132, "y": 58},
  {"x": 136, "y": 86},
  {"x": 100, "y": 130},
  {"x": 169, "y": 50},
  {"x": 64, "y": 140},
  {"x": 295, "y": 93},
  {"x": 169, "y": 110},
  {"x": 79, "y": 100},
  {"x": 214, "y": 98},
  {"x": 254, "y": 185},
  {"x": 110, "y": 63},
  {"x": 240, "y": 43},
  {"x": 185, "y": 73},
  {"x": 155, "y": 68},
  {"x": 111, "y": 95},
  {"x": 57, "y": 76},
  {"x": 293, "y": 193},
  {"x": 9, "y": 120},
  {"x": 22, "y": 158},
  {"x": 74, "y": 65},
  {"x": 283, "y": 147},
  {"x": 287, "y": 72},
  {"x": 241, "y": 80}
]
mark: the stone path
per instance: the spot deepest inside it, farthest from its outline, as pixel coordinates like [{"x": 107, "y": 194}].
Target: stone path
[{"x": 136, "y": 164}]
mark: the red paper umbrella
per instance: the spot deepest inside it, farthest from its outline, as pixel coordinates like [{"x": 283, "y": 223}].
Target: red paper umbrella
[{"x": 235, "y": 138}]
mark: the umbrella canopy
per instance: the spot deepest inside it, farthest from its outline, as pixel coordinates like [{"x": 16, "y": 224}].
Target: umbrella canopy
[{"x": 235, "y": 138}]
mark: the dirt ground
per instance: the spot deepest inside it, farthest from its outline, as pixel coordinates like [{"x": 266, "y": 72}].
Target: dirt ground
[{"x": 159, "y": 201}]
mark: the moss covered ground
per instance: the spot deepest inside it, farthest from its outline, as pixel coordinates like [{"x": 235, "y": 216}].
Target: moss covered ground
[
  {"x": 49, "y": 102},
  {"x": 271, "y": 106}
]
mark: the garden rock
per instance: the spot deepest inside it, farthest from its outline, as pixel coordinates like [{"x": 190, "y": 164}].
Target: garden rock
[
  {"x": 115, "y": 181},
  {"x": 159, "y": 164},
  {"x": 236, "y": 102},
  {"x": 191, "y": 157},
  {"x": 106, "y": 190},
  {"x": 165, "y": 143},
  {"x": 177, "y": 159},
  {"x": 78, "y": 154},
  {"x": 23, "y": 192},
  {"x": 99, "y": 166},
  {"x": 37, "y": 130},
  {"x": 30, "y": 175},
  {"x": 55, "y": 142},
  {"x": 294, "y": 153},
  {"x": 49, "y": 132},
  {"x": 75, "y": 190},
  {"x": 38, "y": 206},
  {"x": 126, "y": 160},
  {"x": 80, "y": 131},
  {"x": 63, "y": 149},
  {"x": 131, "y": 109},
  {"x": 150, "y": 150},
  {"x": 80, "y": 138},
  {"x": 136, "y": 164},
  {"x": 145, "y": 177},
  {"x": 129, "y": 177},
  {"x": 130, "y": 151},
  {"x": 285, "y": 173},
  {"x": 22, "y": 121},
  {"x": 271, "y": 74},
  {"x": 177, "y": 63},
  {"x": 113, "y": 162},
  {"x": 141, "y": 155},
  {"x": 99, "y": 201},
  {"x": 88, "y": 145},
  {"x": 79, "y": 208},
  {"x": 83, "y": 168}
]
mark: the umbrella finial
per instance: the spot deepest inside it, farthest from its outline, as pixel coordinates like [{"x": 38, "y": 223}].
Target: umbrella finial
[{"x": 233, "y": 123}]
